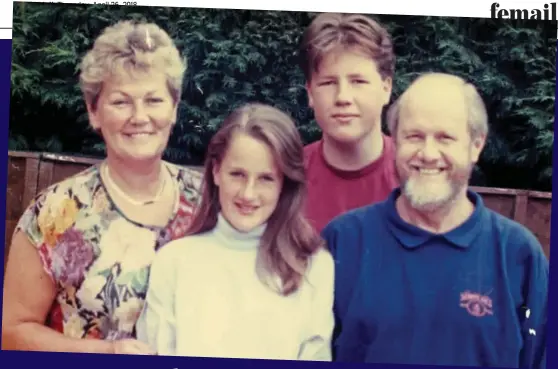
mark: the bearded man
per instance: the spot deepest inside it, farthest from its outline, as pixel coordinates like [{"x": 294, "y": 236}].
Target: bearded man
[{"x": 431, "y": 276}]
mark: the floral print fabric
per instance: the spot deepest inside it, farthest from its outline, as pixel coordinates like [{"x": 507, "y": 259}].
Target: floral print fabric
[{"x": 99, "y": 259}]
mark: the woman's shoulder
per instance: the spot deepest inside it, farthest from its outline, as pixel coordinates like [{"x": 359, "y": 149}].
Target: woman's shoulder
[
  {"x": 188, "y": 178},
  {"x": 79, "y": 188},
  {"x": 54, "y": 211},
  {"x": 188, "y": 175}
]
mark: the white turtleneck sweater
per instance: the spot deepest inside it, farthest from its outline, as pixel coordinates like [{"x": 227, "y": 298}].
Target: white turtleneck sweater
[{"x": 205, "y": 300}]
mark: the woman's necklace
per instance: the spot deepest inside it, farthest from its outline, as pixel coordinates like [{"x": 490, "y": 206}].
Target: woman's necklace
[{"x": 121, "y": 193}]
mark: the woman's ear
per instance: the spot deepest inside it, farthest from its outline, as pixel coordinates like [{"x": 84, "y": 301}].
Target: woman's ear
[
  {"x": 215, "y": 171},
  {"x": 93, "y": 119}
]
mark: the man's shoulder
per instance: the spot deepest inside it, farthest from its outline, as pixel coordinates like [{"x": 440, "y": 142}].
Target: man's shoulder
[
  {"x": 351, "y": 236},
  {"x": 312, "y": 147},
  {"x": 364, "y": 216},
  {"x": 311, "y": 150},
  {"x": 516, "y": 236}
]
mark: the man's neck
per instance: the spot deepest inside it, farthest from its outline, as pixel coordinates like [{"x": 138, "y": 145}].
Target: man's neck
[
  {"x": 440, "y": 220},
  {"x": 354, "y": 155}
]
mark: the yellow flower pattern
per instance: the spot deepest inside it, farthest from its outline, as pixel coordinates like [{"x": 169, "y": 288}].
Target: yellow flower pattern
[
  {"x": 65, "y": 216},
  {"x": 77, "y": 231}
]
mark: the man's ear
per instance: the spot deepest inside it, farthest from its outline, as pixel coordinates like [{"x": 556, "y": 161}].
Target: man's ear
[
  {"x": 175, "y": 114},
  {"x": 309, "y": 94},
  {"x": 387, "y": 85},
  {"x": 477, "y": 146}
]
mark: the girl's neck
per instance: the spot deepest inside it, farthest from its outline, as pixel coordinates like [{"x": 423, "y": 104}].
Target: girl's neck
[{"x": 235, "y": 239}]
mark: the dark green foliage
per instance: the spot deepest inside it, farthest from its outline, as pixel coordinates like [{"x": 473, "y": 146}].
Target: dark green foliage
[{"x": 237, "y": 56}]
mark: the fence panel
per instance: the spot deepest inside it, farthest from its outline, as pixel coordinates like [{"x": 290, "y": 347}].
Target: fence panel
[
  {"x": 29, "y": 173},
  {"x": 23, "y": 169}
]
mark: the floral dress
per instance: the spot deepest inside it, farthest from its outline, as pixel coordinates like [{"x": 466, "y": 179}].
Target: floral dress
[{"x": 99, "y": 259}]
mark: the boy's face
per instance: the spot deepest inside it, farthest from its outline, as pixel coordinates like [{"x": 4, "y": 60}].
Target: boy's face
[{"x": 347, "y": 94}]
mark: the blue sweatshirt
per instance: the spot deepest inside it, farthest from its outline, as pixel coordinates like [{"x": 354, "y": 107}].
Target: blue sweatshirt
[{"x": 475, "y": 296}]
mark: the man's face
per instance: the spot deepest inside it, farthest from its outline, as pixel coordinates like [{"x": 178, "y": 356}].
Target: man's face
[
  {"x": 347, "y": 94},
  {"x": 435, "y": 154}
]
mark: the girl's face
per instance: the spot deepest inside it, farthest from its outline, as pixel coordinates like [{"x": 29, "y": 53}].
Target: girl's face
[{"x": 249, "y": 183}]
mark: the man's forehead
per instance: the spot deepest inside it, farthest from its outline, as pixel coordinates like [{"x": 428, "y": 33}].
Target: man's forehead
[
  {"x": 435, "y": 89},
  {"x": 435, "y": 95},
  {"x": 433, "y": 115}
]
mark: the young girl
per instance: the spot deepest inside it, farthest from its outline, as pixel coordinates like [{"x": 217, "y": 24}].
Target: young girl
[{"x": 252, "y": 279}]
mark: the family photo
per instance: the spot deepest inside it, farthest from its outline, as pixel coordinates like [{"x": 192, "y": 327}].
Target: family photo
[{"x": 279, "y": 185}]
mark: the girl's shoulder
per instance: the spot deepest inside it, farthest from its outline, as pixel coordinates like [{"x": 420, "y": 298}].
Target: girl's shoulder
[
  {"x": 321, "y": 265},
  {"x": 188, "y": 247}
]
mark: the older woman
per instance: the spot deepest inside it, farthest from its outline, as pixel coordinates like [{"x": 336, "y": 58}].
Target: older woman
[{"x": 79, "y": 262}]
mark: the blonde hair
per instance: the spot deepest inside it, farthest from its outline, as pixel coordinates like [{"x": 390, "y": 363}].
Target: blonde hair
[{"x": 129, "y": 47}]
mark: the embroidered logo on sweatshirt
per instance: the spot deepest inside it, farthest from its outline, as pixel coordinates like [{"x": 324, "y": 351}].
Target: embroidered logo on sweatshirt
[{"x": 476, "y": 304}]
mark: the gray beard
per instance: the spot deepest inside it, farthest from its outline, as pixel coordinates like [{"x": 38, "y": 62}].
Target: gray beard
[
  {"x": 432, "y": 198},
  {"x": 442, "y": 194}
]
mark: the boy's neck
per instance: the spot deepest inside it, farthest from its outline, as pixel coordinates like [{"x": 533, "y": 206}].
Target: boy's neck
[{"x": 354, "y": 155}]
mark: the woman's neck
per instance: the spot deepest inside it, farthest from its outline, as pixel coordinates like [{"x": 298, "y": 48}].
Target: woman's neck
[{"x": 137, "y": 181}]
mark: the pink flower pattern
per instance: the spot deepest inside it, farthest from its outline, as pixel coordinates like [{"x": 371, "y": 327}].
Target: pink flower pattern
[
  {"x": 89, "y": 301},
  {"x": 71, "y": 257}
]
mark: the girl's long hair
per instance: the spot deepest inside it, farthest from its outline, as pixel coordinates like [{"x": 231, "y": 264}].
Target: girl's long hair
[{"x": 289, "y": 240}]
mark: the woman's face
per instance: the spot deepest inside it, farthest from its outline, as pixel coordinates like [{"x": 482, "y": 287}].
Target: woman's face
[
  {"x": 135, "y": 116},
  {"x": 249, "y": 183}
]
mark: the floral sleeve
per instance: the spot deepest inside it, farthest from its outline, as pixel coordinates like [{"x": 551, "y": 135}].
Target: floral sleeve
[{"x": 45, "y": 220}]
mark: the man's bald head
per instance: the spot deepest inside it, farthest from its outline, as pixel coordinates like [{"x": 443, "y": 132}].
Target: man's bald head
[{"x": 440, "y": 91}]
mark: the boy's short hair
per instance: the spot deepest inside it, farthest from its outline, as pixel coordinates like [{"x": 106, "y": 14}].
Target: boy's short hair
[{"x": 330, "y": 31}]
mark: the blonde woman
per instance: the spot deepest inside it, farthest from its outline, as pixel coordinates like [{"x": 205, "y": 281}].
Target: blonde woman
[{"x": 79, "y": 262}]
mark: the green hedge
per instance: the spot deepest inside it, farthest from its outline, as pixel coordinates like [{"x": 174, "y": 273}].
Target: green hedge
[{"x": 236, "y": 56}]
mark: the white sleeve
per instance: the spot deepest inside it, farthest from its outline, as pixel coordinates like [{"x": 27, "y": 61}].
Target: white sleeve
[
  {"x": 317, "y": 343},
  {"x": 156, "y": 324}
]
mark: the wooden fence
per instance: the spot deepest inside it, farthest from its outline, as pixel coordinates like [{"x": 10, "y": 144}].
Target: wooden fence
[{"x": 29, "y": 173}]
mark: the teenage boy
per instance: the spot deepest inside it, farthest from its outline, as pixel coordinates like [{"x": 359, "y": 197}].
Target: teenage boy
[{"x": 348, "y": 62}]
